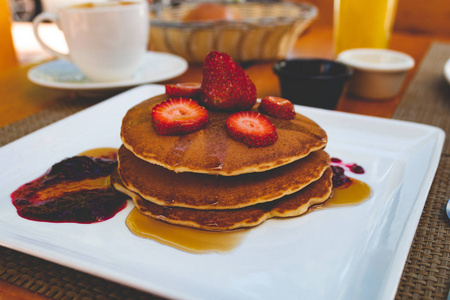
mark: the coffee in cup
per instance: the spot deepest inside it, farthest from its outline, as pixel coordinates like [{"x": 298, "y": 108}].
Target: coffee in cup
[{"x": 106, "y": 40}]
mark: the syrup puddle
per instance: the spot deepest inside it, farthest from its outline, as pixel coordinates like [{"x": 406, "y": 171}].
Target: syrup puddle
[
  {"x": 104, "y": 152},
  {"x": 183, "y": 238},
  {"x": 202, "y": 241},
  {"x": 355, "y": 193}
]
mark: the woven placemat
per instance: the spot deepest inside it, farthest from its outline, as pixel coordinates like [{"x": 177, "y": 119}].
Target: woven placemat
[
  {"x": 427, "y": 270},
  {"x": 12, "y": 132},
  {"x": 427, "y": 100}
]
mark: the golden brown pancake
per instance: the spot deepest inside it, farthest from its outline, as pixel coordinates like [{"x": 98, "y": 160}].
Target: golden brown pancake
[
  {"x": 211, "y": 150},
  {"x": 292, "y": 205},
  {"x": 203, "y": 191}
]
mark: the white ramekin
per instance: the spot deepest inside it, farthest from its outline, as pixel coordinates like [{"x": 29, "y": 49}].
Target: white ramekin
[{"x": 377, "y": 73}]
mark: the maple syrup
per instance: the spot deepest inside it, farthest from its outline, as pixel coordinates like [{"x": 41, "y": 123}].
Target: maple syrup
[
  {"x": 183, "y": 238},
  {"x": 104, "y": 152},
  {"x": 192, "y": 240},
  {"x": 354, "y": 193},
  {"x": 346, "y": 191}
]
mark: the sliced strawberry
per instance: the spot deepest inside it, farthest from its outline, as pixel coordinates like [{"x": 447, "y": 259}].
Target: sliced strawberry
[
  {"x": 277, "y": 107},
  {"x": 225, "y": 86},
  {"x": 178, "y": 116},
  {"x": 185, "y": 89},
  {"x": 251, "y": 128}
]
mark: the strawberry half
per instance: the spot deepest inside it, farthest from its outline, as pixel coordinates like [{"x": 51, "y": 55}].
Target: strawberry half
[
  {"x": 185, "y": 89},
  {"x": 251, "y": 128},
  {"x": 277, "y": 107},
  {"x": 225, "y": 86},
  {"x": 178, "y": 116}
]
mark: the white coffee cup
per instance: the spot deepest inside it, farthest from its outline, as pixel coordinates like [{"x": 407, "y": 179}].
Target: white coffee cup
[{"x": 106, "y": 41}]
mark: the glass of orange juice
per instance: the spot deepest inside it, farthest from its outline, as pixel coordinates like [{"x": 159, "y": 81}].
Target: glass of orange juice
[
  {"x": 7, "y": 52},
  {"x": 362, "y": 24}
]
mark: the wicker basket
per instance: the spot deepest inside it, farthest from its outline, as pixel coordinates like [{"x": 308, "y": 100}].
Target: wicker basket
[{"x": 265, "y": 31}]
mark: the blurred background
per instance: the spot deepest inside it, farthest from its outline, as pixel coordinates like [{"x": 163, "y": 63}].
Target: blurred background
[
  {"x": 432, "y": 16},
  {"x": 25, "y": 10},
  {"x": 416, "y": 17}
]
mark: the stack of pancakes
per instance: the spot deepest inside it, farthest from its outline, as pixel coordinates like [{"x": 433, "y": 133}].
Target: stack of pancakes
[{"x": 207, "y": 180}]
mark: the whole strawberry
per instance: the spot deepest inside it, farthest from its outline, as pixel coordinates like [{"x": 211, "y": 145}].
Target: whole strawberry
[
  {"x": 225, "y": 86},
  {"x": 277, "y": 107}
]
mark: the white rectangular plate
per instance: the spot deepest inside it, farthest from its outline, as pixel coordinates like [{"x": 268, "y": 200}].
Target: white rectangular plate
[{"x": 342, "y": 253}]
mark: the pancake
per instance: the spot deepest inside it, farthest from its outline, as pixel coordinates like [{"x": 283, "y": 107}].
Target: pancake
[
  {"x": 211, "y": 150},
  {"x": 202, "y": 191},
  {"x": 218, "y": 220}
]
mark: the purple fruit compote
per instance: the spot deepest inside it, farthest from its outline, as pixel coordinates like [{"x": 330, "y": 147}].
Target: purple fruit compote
[
  {"x": 77, "y": 189},
  {"x": 339, "y": 178}
]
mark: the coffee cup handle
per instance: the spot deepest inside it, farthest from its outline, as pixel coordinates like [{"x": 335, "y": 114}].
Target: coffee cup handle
[{"x": 52, "y": 17}]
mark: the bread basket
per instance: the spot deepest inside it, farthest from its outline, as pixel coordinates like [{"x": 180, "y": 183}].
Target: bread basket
[{"x": 266, "y": 31}]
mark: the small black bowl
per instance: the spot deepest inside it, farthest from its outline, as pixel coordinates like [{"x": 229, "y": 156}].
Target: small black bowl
[{"x": 312, "y": 82}]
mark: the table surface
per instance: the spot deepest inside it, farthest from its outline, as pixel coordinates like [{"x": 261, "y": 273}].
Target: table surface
[{"x": 21, "y": 98}]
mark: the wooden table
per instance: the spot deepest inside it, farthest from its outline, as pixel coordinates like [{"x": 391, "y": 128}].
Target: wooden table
[{"x": 20, "y": 98}]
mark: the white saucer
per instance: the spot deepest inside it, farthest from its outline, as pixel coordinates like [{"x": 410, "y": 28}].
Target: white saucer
[
  {"x": 61, "y": 74},
  {"x": 447, "y": 71}
]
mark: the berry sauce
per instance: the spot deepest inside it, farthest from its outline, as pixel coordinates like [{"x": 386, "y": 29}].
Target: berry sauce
[
  {"x": 77, "y": 189},
  {"x": 347, "y": 191},
  {"x": 339, "y": 177}
]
